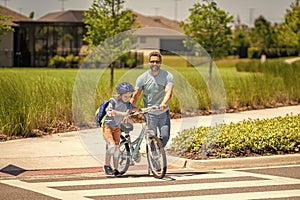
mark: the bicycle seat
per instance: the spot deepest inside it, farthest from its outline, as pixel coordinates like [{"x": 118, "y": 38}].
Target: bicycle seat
[{"x": 126, "y": 127}]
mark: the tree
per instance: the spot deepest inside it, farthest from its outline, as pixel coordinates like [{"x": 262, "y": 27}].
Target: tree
[
  {"x": 5, "y": 24},
  {"x": 291, "y": 26},
  {"x": 241, "y": 40},
  {"x": 262, "y": 34},
  {"x": 31, "y": 15},
  {"x": 209, "y": 26},
  {"x": 106, "y": 19}
]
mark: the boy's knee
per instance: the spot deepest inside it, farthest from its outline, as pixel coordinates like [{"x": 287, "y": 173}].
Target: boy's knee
[
  {"x": 111, "y": 149},
  {"x": 116, "y": 153}
]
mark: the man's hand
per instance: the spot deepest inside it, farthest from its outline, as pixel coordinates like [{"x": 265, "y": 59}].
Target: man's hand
[{"x": 162, "y": 107}]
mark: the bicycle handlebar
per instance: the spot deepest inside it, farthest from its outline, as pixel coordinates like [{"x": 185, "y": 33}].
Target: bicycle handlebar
[{"x": 145, "y": 110}]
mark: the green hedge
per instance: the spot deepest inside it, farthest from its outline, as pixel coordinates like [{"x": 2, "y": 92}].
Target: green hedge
[{"x": 279, "y": 135}]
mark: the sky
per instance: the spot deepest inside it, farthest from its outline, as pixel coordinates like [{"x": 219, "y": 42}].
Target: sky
[{"x": 247, "y": 10}]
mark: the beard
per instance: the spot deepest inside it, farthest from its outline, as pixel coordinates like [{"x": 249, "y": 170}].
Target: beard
[{"x": 155, "y": 68}]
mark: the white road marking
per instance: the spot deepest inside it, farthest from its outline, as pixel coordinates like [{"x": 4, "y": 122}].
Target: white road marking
[
  {"x": 269, "y": 180},
  {"x": 241, "y": 196}
]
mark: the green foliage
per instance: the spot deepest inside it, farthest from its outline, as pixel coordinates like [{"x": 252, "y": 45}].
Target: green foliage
[
  {"x": 254, "y": 52},
  {"x": 275, "y": 136},
  {"x": 262, "y": 34},
  {"x": 34, "y": 99},
  {"x": 108, "y": 26},
  {"x": 106, "y": 19},
  {"x": 70, "y": 61},
  {"x": 291, "y": 25},
  {"x": 57, "y": 61},
  {"x": 4, "y": 24},
  {"x": 41, "y": 95},
  {"x": 209, "y": 26}
]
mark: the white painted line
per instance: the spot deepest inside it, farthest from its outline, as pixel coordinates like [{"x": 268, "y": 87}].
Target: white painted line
[
  {"x": 241, "y": 196},
  {"x": 44, "y": 190},
  {"x": 228, "y": 174},
  {"x": 270, "y": 180},
  {"x": 184, "y": 187}
]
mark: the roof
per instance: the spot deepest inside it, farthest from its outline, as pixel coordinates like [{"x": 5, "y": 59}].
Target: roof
[
  {"x": 63, "y": 16},
  {"x": 142, "y": 20},
  {"x": 16, "y": 17},
  {"x": 158, "y": 21},
  {"x": 157, "y": 31}
]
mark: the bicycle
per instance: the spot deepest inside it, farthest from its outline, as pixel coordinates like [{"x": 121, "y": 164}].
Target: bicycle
[{"x": 129, "y": 150}]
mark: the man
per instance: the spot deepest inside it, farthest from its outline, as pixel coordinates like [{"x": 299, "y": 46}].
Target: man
[{"x": 157, "y": 85}]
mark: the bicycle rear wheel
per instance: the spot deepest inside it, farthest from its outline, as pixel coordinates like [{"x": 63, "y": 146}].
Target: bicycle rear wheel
[
  {"x": 156, "y": 157},
  {"x": 124, "y": 158}
]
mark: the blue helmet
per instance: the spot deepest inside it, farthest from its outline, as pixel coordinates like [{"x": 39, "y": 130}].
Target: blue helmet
[{"x": 124, "y": 87}]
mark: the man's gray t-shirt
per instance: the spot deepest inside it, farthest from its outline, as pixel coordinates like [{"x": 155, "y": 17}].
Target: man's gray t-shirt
[{"x": 154, "y": 87}]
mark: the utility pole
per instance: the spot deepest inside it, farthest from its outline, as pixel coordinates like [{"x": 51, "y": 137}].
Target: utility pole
[
  {"x": 251, "y": 16},
  {"x": 175, "y": 9},
  {"x": 5, "y": 2},
  {"x": 156, "y": 11},
  {"x": 62, "y": 4}
]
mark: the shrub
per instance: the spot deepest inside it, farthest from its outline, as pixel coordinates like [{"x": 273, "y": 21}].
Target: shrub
[
  {"x": 268, "y": 136},
  {"x": 253, "y": 52},
  {"x": 57, "y": 61},
  {"x": 72, "y": 61}
]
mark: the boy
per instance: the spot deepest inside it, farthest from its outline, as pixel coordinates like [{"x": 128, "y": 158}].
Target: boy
[{"x": 118, "y": 108}]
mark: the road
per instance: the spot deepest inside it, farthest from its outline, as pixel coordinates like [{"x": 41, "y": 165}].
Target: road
[{"x": 278, "y": 182}]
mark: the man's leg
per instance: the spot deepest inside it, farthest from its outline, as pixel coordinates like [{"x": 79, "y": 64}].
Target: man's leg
[
  {"x": 152, "y": 122},
  {"x": 164, "y": 127}
]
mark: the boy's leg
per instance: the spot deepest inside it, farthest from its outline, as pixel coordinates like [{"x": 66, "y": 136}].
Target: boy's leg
[
  {"x": 116, "y": 133},
  {"x": 110, "y": 146}
]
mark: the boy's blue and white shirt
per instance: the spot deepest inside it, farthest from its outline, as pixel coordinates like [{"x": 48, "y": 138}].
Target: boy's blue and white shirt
[
  {"x": 154, "y": 87},
  {"x": 121, "y": 106}
]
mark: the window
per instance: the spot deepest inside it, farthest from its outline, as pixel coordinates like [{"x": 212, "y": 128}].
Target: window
[{"x": 143, "y": 39}]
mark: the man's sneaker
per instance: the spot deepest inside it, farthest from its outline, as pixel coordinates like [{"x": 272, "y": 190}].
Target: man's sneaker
[
  {"x": 116, "y": 173},
  {"x": 107, "y": 169}
]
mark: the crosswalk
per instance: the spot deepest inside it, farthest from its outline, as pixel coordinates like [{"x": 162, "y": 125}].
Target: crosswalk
[{"x": 178, "y": 185}]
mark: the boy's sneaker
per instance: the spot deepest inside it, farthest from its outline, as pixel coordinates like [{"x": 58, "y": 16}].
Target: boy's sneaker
[
  {"x": 107, "y": 169},
  {"x": 116, "y": 173}
]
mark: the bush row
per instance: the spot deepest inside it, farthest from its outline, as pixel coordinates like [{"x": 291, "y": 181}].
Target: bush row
[
  {"x": 254, "y": 52},
  {"x": 279, "y": 135}
]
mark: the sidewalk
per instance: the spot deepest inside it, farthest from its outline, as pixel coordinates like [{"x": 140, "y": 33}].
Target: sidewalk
[{"x": 85, "y": 149}]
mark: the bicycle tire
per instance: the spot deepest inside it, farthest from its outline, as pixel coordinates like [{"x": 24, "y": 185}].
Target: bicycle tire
[
  {"x": 124, "y": 158},
  {"x": 156, "y": 157}
]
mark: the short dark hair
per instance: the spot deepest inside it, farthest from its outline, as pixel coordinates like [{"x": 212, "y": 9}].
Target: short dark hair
[{"x": 155, "y": 53}]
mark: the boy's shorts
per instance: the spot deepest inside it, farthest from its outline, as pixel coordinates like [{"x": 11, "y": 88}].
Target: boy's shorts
[{"x": 112, "y": 134}]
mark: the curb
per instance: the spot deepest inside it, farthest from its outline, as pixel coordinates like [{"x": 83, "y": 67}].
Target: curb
[{"x": 247, "y": 162}]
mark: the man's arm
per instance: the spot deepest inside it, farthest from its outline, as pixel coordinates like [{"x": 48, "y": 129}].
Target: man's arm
[
  {"x": 135, "y": 96},
  {"x": 168, "y": 95}
]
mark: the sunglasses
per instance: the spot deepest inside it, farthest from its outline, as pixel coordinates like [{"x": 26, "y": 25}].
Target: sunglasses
[{"x": 154, "y": 61}]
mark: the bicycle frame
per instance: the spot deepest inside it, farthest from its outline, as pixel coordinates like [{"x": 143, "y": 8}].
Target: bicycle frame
[{"x": 136, "y": 144}]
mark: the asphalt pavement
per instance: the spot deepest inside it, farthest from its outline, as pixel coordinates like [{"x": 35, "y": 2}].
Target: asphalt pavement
[{"x": 84, "y": 150}]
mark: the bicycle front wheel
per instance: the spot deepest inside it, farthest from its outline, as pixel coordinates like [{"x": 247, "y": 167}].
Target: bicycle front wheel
[
  {"x": 124, "y": 158},
  {"x": 156, "y": 157}
]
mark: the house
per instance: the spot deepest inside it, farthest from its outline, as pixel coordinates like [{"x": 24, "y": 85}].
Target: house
[
  {"x": 158, "y": 32},
  {"x": 9, "y": 56},
  {"x": 34, "y": 42}
]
